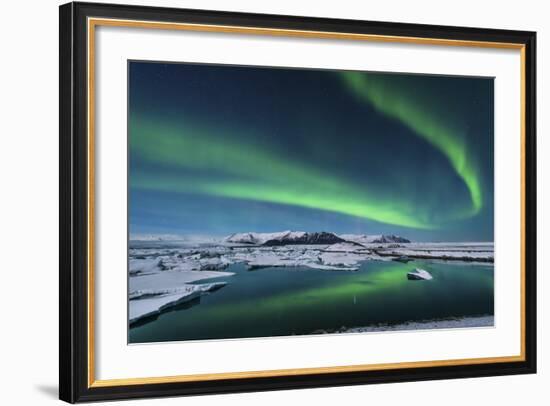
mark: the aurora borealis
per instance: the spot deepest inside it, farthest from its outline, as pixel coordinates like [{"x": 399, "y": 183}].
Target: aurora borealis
[
  {"x": 424, "y": 117},
  {"x": 219, "y": 149}
]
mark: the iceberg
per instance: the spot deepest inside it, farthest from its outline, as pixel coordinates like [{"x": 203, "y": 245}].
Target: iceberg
[
  {"x": 419, "y": 274},
  {"x": 144, "y": 266}
]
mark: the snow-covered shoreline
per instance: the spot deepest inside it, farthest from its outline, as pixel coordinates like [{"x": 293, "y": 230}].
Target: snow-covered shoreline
[{"x": 458, "y": 322}]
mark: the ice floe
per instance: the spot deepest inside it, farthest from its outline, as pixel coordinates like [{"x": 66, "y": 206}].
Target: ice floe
[{"x": 149, "y": 302}]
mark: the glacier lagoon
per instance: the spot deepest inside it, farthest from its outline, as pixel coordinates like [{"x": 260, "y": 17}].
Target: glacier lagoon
[{"x": 369, "y": 292}]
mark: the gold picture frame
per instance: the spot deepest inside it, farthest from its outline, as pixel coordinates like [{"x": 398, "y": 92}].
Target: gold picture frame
[{"x": 78, "y": 25}]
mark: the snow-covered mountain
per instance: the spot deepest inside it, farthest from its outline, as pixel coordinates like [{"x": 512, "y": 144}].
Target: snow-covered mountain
[
  {"x": 306, "y": 239},
  {"x": 260, "y": 238},
  {"x": 310, "y": 238},
  {"x": 284, "y": 238},
  {"x": 374, "y": 239}
]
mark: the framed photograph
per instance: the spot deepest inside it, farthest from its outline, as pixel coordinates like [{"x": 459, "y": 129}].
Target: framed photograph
[{"x": 256, "y": 202}]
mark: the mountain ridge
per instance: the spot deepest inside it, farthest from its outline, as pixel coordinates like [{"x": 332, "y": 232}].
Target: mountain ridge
[{"x": 310, "y": 238}]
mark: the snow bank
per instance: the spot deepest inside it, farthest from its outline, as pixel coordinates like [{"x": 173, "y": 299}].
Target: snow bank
[
  {"x": 171, "y": 279},
  {"x": 449, "y": 252},
  {"x": 461, "y": 322}
]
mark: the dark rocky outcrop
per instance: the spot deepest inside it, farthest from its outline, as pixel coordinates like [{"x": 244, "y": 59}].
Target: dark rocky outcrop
[{"x": 322, "y": 238}]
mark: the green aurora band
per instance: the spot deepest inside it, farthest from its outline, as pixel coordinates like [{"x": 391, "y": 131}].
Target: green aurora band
[
  {"x": 256, "y": 173},
  {"x": 244, "y": 171},
  {"x": 395, "y": 100}
]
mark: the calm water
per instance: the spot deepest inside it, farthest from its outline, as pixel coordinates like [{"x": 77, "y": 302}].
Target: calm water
[{"x": 289, "y": 301}]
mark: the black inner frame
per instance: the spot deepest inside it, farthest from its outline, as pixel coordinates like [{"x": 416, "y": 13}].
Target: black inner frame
[{"x": 73, "y": 244}]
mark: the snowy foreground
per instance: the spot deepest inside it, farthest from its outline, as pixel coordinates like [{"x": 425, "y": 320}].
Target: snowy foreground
[{"x": 165, "y": 274}]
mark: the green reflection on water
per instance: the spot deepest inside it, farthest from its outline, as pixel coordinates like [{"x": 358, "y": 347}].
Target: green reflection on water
[{"x": 285, "y": 301}]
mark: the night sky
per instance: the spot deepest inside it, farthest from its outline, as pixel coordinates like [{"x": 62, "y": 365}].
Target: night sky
[{"x": 217, "y": 149}]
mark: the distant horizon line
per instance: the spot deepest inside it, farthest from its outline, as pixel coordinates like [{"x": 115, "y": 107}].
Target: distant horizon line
[{"x": 205, "y": 237}]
